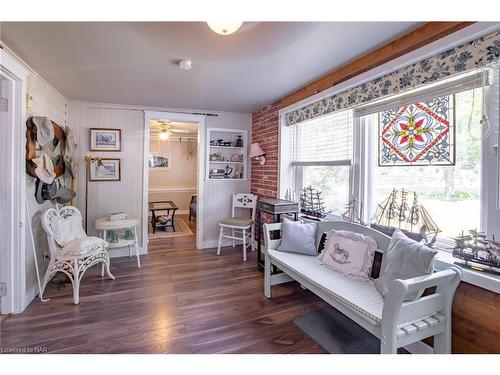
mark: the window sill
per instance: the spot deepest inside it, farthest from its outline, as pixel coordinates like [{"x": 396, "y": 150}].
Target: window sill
[{"x": 484, "y": 280}]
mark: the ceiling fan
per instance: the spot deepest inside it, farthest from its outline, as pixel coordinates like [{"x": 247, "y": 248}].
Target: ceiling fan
[{"x": 166, "y": 130}]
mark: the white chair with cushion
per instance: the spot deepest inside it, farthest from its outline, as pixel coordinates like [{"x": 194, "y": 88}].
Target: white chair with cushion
[
  {"x": 240, "y": 226},
  {"x": 71, "y": 250}
]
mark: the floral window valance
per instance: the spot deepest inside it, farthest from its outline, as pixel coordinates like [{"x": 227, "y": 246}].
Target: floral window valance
[
  {"x": 472, "y": 55},
  {"x": 418, "y": 134}
]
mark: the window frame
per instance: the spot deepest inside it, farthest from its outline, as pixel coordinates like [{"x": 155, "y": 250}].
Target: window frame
[
  {"x": 360, "y": 178},
  {"x": 291, "y": 173}
]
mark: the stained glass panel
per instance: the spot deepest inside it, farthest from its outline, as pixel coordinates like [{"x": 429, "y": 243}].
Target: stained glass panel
[{"x": 418, "y": 134}]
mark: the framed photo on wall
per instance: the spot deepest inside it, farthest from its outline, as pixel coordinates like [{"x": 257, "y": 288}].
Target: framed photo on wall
[
  {"x": 105, "y": 170},
  {"x": 160, "y": 161},
  {"x": 102, "y": 139}
]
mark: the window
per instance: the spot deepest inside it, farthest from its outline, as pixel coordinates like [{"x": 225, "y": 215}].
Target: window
[
  {"x": 450, "y": 193},
  {"x": 320, "y": 156}
]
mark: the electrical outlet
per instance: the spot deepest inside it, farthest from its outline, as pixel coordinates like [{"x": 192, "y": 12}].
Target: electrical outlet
[
  {"x": 4, "y": 105},
  {"x": 3, "y": 289}
]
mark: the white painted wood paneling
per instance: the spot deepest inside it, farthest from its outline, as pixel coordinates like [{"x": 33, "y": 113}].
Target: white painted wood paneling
[
  {"x": 110, "y": 196},
  {"x": 126, "y": 195}
]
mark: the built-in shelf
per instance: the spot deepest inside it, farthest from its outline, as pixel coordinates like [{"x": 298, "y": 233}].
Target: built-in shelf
[
  {"x": 233, "y": 147},
  {"x": 226, "y": 162},
  {"x": 235, "y": 170}
]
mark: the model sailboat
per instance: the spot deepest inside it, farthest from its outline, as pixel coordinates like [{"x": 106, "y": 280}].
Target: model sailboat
[
  {"x": 354, "y": 212},
  {"x": 414, "y": 221}
]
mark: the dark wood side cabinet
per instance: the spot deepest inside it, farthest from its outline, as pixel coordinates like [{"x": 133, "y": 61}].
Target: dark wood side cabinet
[{"x": 275, "y": 208}]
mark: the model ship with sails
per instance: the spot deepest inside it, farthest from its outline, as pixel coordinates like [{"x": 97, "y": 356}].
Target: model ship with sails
[
  {"x": 477, "y": 252},
  {"x": 414, "y": 220}
]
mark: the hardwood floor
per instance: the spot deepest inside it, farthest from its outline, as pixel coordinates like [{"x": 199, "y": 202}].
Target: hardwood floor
[{"x": 182, "y": 300}]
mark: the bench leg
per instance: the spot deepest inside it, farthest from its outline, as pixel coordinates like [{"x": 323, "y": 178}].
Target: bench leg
[
  {"x": 388, "y": 339},
  {"x": 442, "y": 342},
  {"x": 387, "y": 347},
  {"x": 267, "y": 276}
]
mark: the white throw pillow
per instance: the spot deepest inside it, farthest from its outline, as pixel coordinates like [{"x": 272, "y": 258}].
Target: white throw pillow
[
  {"x": 349, "y": 253},
  {"x": 67, "y": 228},
  {"x": 404, "y": 259},
  {"x": 298, "y": 237}
]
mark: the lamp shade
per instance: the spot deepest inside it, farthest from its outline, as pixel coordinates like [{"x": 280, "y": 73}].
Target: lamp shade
[{"x": 256, "y": 150}]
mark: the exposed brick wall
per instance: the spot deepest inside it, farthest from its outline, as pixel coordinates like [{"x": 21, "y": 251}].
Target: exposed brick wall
[{"x": 265, "y": 130}]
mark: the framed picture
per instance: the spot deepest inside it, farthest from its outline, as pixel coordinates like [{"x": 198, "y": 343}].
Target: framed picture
[
  {"x": 159, "y": 162},
  {"x": 108, "y": 170},
  {"x": 105, "y": 139}
]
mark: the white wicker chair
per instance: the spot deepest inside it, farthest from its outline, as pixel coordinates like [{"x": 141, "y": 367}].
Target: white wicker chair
[{"x": 74, "y": 258}]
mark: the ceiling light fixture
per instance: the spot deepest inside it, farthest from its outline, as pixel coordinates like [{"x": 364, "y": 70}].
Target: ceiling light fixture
[
  {"x": 225, "y": 28},
  {"x": 165, "y": 134}
]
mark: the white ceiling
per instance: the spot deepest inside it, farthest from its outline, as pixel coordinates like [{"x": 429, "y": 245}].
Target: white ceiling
[{"x": 135, "y": 63}]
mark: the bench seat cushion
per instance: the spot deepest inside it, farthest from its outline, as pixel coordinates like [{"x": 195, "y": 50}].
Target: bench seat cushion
[{"x": 358, "y": 295}]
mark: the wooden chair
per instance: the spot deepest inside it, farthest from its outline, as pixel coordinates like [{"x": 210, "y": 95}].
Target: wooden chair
[
  {"x": 243, "y": 226},
  {"x": 192, "y": 207},
  {"x": 78, "y": 254}
]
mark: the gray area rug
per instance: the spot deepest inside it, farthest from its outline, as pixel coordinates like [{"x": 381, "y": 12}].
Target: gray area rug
[{"x": 338, "y": 334}]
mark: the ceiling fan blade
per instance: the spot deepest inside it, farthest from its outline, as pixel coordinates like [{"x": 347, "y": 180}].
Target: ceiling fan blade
[{"x": 179, "y": 130}]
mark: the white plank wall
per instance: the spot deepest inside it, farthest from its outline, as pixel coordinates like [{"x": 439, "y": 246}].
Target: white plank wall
[
  {"x": 110, "y": 196},
  {"x": 126, "y": 195}
]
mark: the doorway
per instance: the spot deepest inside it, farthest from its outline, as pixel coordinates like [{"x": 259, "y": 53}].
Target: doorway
[
  {"x": 172, "y": 183},
  {"x": 12, "y": 219}
]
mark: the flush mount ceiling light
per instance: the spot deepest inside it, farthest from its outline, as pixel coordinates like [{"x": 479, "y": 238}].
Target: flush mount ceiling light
[{"x": 224, "y": 28}]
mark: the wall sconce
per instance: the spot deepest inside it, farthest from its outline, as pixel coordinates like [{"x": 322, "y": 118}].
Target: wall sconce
[{"x": 257, "y": 153}]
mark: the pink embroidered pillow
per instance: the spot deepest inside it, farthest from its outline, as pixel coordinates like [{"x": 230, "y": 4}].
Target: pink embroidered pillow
[{"x": 349, "y": 253}]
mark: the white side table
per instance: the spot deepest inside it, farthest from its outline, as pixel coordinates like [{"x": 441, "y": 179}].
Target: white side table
[{"x": 103, "y": 224}]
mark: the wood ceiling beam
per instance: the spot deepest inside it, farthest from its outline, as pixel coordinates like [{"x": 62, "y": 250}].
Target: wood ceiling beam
[{"x": 425, "y": 34}]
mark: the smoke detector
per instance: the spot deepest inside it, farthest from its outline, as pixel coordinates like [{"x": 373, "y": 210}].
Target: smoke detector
[{"x": 185, "y": 64}]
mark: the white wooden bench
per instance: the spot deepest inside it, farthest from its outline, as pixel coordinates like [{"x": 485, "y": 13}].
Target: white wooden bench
[{"x": 395, "y": 322}]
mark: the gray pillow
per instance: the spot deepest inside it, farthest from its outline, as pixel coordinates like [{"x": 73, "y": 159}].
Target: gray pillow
[
  {"x": 297, "y": 237},
  {"x": 404, "y": 259}
]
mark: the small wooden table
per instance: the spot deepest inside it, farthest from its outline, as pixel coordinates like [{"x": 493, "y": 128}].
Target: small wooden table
[{"x": 168, "y": 206}]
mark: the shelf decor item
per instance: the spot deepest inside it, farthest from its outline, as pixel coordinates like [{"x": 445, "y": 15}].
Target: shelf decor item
[
  {"x": 236, "y": 157},
  {"x": 111, "y": 236},
  {"x": 415, "y": 221},
  {"x": 312, "y": 205},
  {"x": 354, "y": 212},
  {"x": 128, "y": 235},
  {"x": 117, "y": 216},
  {"x": 239, "y": 141},
  {"x": 102, "y": 139},
  {"x": 477, "y": 252}
]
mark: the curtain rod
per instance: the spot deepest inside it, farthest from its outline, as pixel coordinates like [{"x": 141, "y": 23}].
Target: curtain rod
[{"x": 142, "y": 110}]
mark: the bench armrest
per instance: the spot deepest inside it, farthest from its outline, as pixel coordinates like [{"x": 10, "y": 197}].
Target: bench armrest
[
  {"x": 397, "y": 311},
  {"x": 268, "y": 242}
]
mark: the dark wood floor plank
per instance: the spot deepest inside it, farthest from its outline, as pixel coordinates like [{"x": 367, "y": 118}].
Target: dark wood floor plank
[{"x": 182, "y": 300}]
